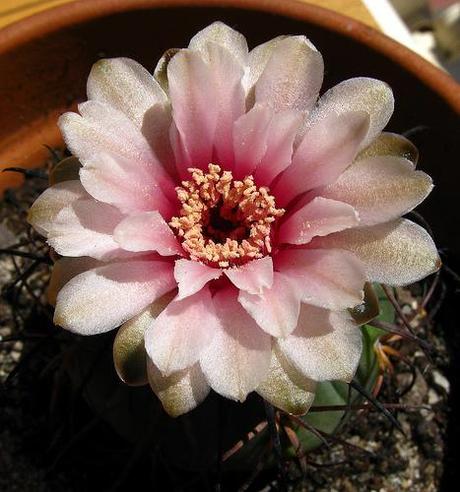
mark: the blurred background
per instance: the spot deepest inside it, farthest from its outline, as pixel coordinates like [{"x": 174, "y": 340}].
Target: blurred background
[{"x": 429, "y": 27}]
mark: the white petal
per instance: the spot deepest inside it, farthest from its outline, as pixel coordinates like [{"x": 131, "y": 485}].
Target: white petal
[
  {"x": 223, "y": 35},
  {"x": 380, "y": 188},
  {"x": 237, "y": 359},
  {"x": 102, "y": 129},
  {"x": 46, "y": 207},
  {"x": 286, "y": 388},
  {"x": 360, "y": 94},
  {"x": 257, "y": 61},
  {"x": 99, "y": 300},
  {"x": 64, "y": 270},
  {"x": 395, "y": 253},
  {"x": 74, "y": 223},
  {"x": 181, "y": 391},
  {"x": 325, "y": 346},
  {"x": 292, "y": 76},
  {"x": 125, "y": 85}
]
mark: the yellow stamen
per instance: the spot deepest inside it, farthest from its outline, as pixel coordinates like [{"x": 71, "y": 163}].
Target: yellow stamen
[{"x": 224, "y": 222}]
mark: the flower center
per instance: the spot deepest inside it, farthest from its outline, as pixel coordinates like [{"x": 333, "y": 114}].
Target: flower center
[{"x": 224, "y": 222}]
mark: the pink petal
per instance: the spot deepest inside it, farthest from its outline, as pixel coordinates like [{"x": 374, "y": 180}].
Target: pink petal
[
  {"x": 125, "y": 85},
  {"x": 192, "y": 276},
  {"x": 327, "y": 149},
  {"x": 194, "y": 110},
  {"x": 381, "y": 188},
  {"x": 331, "y": 279},
  {"x": 250, "y": 134},
  {"x": 292, "y": 76},
  {"x": 319, "y": 217},
  {"x": 228, "y": 73},
  {"x": 74, "y": 223},
  {"x": 180, "y": 392},
  {"x": 237, "y": 359},
  {"x": 181, "y": 332},
  {"x": 156, "y": 126},
  {"x": 276, "y": 309},
  {"x": 360, "y": 94},
  {"x": 147, "y": 231},
  {"x": 280, "y": 141},
  {"x": 204, "y": 118},
  {"x": 394, "y": 253},
  {"x": 99, "y": 300},
  {"x": 226, "y": 52},
  {"x": 253, "y": 276},
  {"x": 120, "y": 182},
  {"x": 102, "y": 129},
  {"x": 325, "y": 345}
]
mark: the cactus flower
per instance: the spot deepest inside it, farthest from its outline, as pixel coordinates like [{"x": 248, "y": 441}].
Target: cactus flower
[{"x": 228, "y": 217}]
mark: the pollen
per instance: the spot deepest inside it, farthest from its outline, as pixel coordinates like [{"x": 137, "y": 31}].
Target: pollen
[{"x": 222, "y": 221}]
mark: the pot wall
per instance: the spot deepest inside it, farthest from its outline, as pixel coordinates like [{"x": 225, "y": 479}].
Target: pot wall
[{"x": 44, "y": 68}]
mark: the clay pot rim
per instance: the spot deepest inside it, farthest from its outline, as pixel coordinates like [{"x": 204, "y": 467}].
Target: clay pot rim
[{"x": 81, "y": 11}]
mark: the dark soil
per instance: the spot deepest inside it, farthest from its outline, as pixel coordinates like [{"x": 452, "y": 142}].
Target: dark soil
[{"x": 50, "y": 439}]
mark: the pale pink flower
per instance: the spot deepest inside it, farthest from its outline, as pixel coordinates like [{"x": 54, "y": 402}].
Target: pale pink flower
[{"x": 234, "y": 216}]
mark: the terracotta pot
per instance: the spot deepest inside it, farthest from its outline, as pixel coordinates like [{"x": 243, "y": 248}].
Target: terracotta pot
[{"x": 45, "y": 60}]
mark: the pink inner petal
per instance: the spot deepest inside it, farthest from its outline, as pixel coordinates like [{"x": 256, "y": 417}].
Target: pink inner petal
[
  {"x": 332, "y": 279},
  {"x": 131, "y": 188},
  {"x": 177, "y": 337},
  {"x": 205, "y": 118},
  {"x": 238, "y": 358},
  {"x": 228, "y": 72},
  {"x": 194, "y": 110},
  {"x": 280, "y": 141},
  {"x": 192, "y": 276},
  {"x": 147, "y": 231},
  {"x": 253, "y": 276},
  {"x": 276, "y": 309},
  {"x": 326, "y": 150},
  {"x": 319, "y": 217},
  {"x": 250, "y": 134}
]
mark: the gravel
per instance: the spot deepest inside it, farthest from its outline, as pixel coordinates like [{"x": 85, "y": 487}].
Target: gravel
[{"x": 394, "y": 462}]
